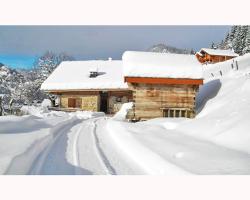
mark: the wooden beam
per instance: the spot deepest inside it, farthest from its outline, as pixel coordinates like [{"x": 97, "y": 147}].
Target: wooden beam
[
  {"x": 87, "y": 90},
  {"x": 167, "y": 81}
]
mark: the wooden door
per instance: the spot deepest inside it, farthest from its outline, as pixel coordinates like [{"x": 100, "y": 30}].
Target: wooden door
[{"x": 71, "y": 102}]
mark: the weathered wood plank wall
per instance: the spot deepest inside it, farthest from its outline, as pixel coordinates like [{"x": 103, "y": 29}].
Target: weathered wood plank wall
[{"x": 150, "y": 99}]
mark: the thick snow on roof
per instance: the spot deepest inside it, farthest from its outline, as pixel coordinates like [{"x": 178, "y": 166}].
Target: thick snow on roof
[
  {"x": 199, "y": 53},
  {"x": 219, "y": 52},
  {"x": 74, "y": 75},
  {"x": 161, "y": 65}
]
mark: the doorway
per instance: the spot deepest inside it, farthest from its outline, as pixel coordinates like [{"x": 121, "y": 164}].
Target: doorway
[{"x": 104, "y": 102}]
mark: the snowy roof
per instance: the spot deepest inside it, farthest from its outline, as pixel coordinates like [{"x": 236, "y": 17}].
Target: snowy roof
[
  {"x": 199, "y": 53},
  {"x": 75, "y": 75},
  {"x": 161, "y": 65},
  {"x": 220, "y": 52}
]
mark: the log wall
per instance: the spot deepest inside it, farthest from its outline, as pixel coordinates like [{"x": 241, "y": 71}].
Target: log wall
[
  {"x": 153, "y": 101},
  {"x": 213, "y": 58}
]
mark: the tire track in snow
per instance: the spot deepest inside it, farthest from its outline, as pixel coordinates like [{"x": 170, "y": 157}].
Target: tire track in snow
[
  {"x": 103, "y": 157},
  {"x": 42, "y": 161},
  {"x": 75, "y": 155}
]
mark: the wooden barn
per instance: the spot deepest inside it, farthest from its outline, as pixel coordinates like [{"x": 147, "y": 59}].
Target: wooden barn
[
  {"x": 206, "y": 55},
  {"x": 89, "y": 85},
  {"x": 163, "y": 85}
]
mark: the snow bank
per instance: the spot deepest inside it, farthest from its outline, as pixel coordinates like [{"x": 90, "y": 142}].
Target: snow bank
[
  {"x": 235, "y": 67},
  {"x": 224, "y": 119},
  {"x": 46, "y": 103},
  {"x": 121, "y": 114},
  {"x": 86, "y": 114},
  {"x": 18, "y": 134},
  {"x": 161, "y": 65},
  {"x": 133, "y": 150},
  {"x": 42, "y": 112},
  {"x": 34, "y": 110}
]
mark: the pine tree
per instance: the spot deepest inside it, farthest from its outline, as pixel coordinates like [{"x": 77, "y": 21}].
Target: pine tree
[
  {"x": 247, "y": 41},
  {"x": 233, "y": 33},
  {"x": 243, "y": 38},
  {"x": 237, "y": 41},
  {"x": 213, "y": 46},
  {"x": 221, "y": 45},
  {"x": 226, "y": 44}
]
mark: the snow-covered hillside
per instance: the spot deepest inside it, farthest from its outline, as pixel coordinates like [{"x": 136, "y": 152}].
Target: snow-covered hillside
[{"x": 217, "y": 141}]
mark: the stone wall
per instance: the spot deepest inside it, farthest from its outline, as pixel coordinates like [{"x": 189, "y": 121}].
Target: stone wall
[
  {"x": 90, "y": 103},
  {"x": 86, "y": 102}
]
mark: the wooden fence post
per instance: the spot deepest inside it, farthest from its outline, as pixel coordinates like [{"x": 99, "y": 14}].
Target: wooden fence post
[
  {"x": 237, "y": 66},
  {"x": 1, "y": 106}
]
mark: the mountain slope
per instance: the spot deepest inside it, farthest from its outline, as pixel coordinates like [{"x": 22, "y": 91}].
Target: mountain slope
[{"x": 162, "y": 48}]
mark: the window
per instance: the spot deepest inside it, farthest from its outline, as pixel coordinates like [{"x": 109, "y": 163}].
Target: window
[
  {"x": 175, "y": 112},
  {"x": 74, "y": 102},
  {"x": 183, "y": 113}
]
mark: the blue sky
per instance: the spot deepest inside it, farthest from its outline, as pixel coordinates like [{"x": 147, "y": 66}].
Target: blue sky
[
  {"x": 19, "y": 45},
  {"x": 18, "y": 61}
]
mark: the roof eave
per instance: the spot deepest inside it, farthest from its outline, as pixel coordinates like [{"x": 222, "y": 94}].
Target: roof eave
[{"x": 165, "y": 81}]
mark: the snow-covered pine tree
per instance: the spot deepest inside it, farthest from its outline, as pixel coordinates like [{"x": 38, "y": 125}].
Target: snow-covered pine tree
[
  {"x": 237, "y": 41},
  {"x": 247, "y": 41},
  {"x": 243, "y": 34},
  {"x": 221, "y": 45},
  {"x": 213, "y": 46},
  {"x": 44, "y": 66},
  {"x": 226, "y": 43},
  {"x": 233, "y": 33}
]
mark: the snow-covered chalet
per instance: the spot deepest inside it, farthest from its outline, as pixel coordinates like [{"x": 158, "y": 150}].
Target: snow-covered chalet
[
  {"x": 159, "y": 84},
  {"x": 206, "y": 55},
  {"x": 95, "y": 85},
  {"x": 163, "y": 84}
]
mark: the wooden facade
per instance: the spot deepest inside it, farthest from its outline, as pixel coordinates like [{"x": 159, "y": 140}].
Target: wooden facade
[
  {"x": 104, "y": 101},
  {"x": 154, "y": 97},
  {"x": 204, "y": 57}
]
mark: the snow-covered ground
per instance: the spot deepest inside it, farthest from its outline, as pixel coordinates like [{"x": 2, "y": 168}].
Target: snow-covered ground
[{"x": 217, "y": 141}]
